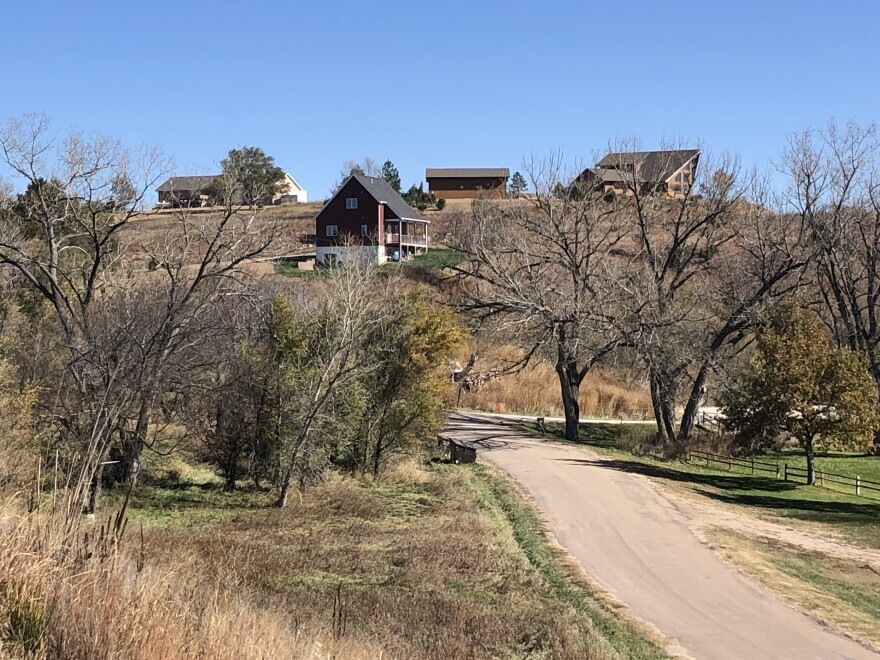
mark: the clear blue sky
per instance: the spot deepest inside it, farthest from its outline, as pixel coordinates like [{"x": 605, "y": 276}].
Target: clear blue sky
[{"x": 439, "y": 84}]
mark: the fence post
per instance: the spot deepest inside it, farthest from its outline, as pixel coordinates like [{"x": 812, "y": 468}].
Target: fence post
[
  {"x": 778, "y": 473},
  {"x": 786, "y": 471},
  {"x": 821, "y": 478},
  {"x": 753, "y": 465},
  {"x": 729, "y": 463},
  {"x": 858, "y": 485}
]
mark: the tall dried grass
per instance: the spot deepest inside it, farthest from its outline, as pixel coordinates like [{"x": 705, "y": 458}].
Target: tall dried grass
[
  {"x": 72, "y": 593},
  {"x": 536, "y": 390}
]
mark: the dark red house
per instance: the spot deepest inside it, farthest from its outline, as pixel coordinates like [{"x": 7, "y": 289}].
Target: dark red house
[
  {"x": 368, "y": 221},
  {"x": 467, "y": 183}
]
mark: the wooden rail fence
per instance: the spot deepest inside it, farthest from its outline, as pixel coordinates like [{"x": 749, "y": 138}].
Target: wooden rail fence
[
  {"x": 830, "y": 480},
  {"x": 754, "y": 466}
]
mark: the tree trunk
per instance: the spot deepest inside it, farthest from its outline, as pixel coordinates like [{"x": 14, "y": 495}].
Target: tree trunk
[
  {"x": 133, "y": 446},
  {"x": 281, "y": 502},
  {"x": 231, "y": 472},
  {"x": 657, "y": 406},
  {"x": 570, "y": 385},
  {"x": 668, "y": 417},
  {"x": 377, "y": 454},
  {"x": 95, "y": 489},
  {"x": 811, "y": 471},
  {"x": 692, "y": 409}
]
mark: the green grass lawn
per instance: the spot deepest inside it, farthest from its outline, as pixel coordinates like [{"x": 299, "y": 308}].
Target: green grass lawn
[
  {"x": 433, "y": 258},
  {"x": 850, "y": 465},
  {"x": 437, "y": 258},
  {"x": 290, "y": 270},
  {"x": 857, "y": 517}
]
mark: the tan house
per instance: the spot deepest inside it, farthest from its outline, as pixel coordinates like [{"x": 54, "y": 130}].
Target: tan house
[
  {"x": 290, "y": 191},
  {"x": 671, "y": 172}
]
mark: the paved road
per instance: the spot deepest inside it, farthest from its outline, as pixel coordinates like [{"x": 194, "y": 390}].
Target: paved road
[{"x": 636, "y": 545}]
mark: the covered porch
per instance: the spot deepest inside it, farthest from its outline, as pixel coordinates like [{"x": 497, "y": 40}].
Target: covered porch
[{"x": 406, "y": 238}]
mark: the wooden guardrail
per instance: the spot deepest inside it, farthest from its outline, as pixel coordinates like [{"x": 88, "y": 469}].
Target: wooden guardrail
[
  {"x": 458, "y": 451},
  {"x": 830, "y": 480}
]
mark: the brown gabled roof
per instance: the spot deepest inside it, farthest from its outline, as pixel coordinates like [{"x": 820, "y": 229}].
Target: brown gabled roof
[
  {"x": 176, "y": 183},
  {"x": 648, "y": 166},
  {"x": 467, "y": 173}
]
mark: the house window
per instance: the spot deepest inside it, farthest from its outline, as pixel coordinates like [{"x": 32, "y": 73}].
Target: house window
[
  {"x": 351, "y": 202},
  {"x": 363, "y": 230},
  {"x": 332, "y": 230}
]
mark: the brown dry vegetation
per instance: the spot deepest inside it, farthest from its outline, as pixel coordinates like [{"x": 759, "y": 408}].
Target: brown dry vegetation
[
  {"x": 420, "y": 564},
  {"x": 295, "y": 225},
  {"x": 438, "y": 562},
  {"x": 70, "y": 595},
  {"x": 535, "y": 390}
]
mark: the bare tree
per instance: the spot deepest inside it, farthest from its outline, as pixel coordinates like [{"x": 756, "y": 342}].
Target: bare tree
[
  {"x": 535, "y": 273},
  {"x": 122, "y": 330},
  {"x": 61, "y": 238},
  {"x": 194, "y": 264},
  {"x": 702, "y": 263},
  {"x": 834, "y": 188},
  {"x": 368, "y": 167}
]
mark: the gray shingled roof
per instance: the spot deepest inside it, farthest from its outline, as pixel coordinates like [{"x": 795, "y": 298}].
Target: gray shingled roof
[
  {"x": 467, "y": 172},
  {"x": 382, "y": 191},
  {"x": 176, "y": 183},
  {"x": 650, "y": 166}
]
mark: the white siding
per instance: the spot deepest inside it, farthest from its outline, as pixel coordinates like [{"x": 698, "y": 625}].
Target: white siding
[{"x": 367, "y": 254}]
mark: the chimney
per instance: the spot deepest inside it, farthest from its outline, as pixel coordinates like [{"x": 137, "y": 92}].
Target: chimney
[{"x": 381, "y": 219}]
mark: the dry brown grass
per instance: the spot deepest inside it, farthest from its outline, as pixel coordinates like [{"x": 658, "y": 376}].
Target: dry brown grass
[
  {"x": 421, "y": 563},
  {"x": 536, "y": 390},
  {"x": 71, "y": 594},
  {"x": 443, "y": 562},
  {"x": 294, "y": 224}
]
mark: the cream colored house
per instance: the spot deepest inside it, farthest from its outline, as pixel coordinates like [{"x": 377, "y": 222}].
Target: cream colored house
[{"x": 290, "y": 192}]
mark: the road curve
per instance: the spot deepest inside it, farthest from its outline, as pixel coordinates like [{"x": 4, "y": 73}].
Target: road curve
[{"x": 636, "y": 545}]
